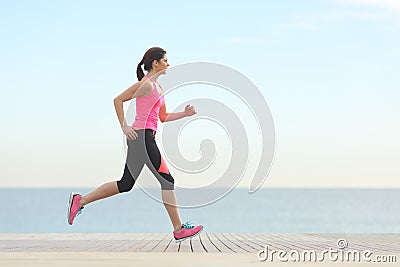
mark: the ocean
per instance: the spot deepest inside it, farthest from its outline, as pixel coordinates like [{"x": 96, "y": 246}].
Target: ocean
[{"x": 268, "y": 210}]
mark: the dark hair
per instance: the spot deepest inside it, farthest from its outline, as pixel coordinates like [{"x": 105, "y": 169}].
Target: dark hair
[{"x": 154, "y": 53}]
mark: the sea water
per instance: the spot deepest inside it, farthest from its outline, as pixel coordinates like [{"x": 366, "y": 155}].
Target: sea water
[{"x": 267, "y": 210}]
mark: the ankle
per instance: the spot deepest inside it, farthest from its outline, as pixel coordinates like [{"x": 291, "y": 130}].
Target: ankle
[
  {"x": 82, "y": 201},
  {"x": 177, "y": 228}
]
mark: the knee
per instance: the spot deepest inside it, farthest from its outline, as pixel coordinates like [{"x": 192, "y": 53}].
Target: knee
[
  {"x": 125, "y": 185},
  {"x": 127, "y": 181},
  {"x": 167, "y": 183}
]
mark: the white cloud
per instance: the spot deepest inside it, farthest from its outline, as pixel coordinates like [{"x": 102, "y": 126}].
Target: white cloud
[
  {"x": 384, "y": 4},
  {"x": 363, "y": 15},
  {"x": 374, "y": 10}
]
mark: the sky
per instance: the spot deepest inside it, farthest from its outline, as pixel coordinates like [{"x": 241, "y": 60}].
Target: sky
[{"x": 328, "y": 69}]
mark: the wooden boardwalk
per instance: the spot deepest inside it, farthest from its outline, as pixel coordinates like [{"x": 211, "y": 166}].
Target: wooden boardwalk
[{"x": 204, "y": 243}]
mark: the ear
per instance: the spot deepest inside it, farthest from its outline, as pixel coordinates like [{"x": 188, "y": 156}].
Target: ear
[{"x": 155, "y": 63}]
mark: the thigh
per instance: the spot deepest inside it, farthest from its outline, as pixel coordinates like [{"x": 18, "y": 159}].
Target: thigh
[
  {"x": 136, "y": 157},
  {"x": 158, "y": 166},
  {"x": 153, "y": 154}
]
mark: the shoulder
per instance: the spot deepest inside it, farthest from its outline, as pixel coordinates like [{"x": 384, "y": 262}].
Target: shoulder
[{"x": 145, "y": 87}]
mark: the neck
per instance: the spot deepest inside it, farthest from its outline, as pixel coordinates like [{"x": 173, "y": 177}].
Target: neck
[{"x": 153, "y": 75}]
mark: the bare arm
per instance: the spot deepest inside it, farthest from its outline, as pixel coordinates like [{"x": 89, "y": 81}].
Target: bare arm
[
  {"x": 138, "y": 89},
  {"x": 164, "y": 116}
]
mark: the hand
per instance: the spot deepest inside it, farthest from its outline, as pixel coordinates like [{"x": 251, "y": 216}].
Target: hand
[
  {"x": 129, "y": 132},
  {"x": 189, "y": 110}
]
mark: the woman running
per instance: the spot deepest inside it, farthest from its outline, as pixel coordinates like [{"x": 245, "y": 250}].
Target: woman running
[{"x": 142, "y": 147}]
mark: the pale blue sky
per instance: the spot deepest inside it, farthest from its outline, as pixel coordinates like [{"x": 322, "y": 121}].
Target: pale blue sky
[{"x": 328, "y": 69}]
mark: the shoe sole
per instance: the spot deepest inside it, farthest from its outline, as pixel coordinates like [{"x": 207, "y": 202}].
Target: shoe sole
[
  {"x": 71, "y": 198},
  {"x": 182, "y": 239}
]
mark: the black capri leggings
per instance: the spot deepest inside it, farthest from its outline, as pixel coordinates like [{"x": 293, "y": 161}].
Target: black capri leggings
[{"x": 143, "y": 150}]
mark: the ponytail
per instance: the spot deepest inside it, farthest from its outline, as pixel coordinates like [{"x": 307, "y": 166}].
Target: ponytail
[{"x": 139, "y": 71}]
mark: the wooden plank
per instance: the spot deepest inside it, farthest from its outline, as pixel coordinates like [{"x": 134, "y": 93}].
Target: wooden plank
[
  {"x": 221, "y": 246},
  {"x": 314, "y": 241},
  {"x": 130, "y": 241},
  {"x": 149, "y": 246},
  {"x": 299, "y": 242},
  {"x": 355, "y": 241},
  {"x": 232, "y": 245},
  {"x": 259, "y": 239},
  {"x": 185, "y": 246},
  {"x": 163, "y": 244},
  {"x": 252, "y": 239},
  {"x": 173, "y": 246},
  {"x": 370, "y": 242},
  {"x": 196, "y": 245},
  {"x": 242, "y": 242},
  {"x": 206, "y": 242},
  {"x": 208, "y": 245},
  {"x": 289, "y": 243},
  {"x": 380, "y": 242},
  {"x": 139, "y": 245},
  {"x": 277, "y": 242}
]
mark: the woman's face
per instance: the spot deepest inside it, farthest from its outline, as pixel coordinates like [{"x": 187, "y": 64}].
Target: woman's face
[{"x": 162, "y": 65}]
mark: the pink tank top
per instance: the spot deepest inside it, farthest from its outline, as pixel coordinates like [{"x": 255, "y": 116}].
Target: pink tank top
[{"x": 147, "y": 109}]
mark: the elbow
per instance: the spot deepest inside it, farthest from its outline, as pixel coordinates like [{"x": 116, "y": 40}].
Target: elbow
[
  {"x": 116, "y": 100},
  {"x": 117, "y": 103},
  {"x": 163, "y": 118}
]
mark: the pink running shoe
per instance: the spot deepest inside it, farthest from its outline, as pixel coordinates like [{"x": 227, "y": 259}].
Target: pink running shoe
[
  {"x": 187, "y": 231},
  {"x": 74, "y": 207}
]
